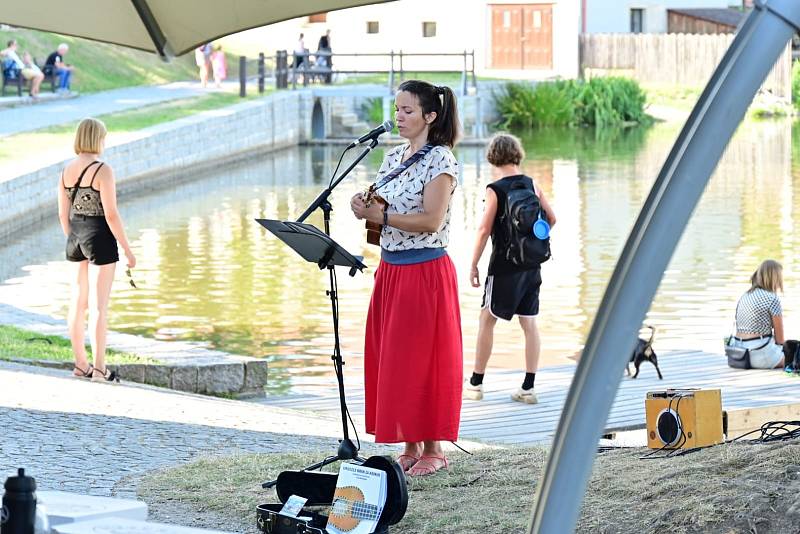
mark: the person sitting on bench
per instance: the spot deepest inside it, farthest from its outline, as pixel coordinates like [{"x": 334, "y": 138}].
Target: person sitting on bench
[
  {"x": 27, "y": 67},
  {"x": 55, "y": 65}
]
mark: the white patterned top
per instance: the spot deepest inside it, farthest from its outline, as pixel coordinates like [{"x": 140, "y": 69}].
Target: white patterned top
[
  {"x": 755, "y": 310},
  {"x": 404, "y": 196}
]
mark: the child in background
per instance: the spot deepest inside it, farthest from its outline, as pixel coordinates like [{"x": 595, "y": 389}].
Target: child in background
[
  {"x": 218, "y": 65},
  {"x": 509, "y": 290}
]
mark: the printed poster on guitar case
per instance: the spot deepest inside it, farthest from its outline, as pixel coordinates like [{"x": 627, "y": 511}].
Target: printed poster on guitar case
[{"x": 358, "y": 500}]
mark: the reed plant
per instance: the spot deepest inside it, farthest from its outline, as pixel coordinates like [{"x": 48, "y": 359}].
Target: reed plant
[
  {"x": 372, "y": 110},
  {"x": 599, "y": 102}
]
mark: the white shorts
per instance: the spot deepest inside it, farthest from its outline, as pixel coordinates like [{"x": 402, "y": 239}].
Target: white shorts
[{"x": 762, "y": 358}]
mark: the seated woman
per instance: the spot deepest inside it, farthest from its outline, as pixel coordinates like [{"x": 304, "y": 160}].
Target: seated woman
[{"x": 759, "y": 317}]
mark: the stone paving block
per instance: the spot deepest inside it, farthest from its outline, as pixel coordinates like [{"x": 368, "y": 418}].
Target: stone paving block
[
  {"x": 133, "y": 372},
  {"x": 220, "y": 378},
  {"x": 158, "y": 375},
  {"x": 184, "y": 378},
  {"x": 65, "y": 507},
  {"x": 255, "y": 374},
  {"x": 127, "y": 526}
]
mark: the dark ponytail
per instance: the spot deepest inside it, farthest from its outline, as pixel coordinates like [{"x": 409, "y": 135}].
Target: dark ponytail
[{"x": 445, "y": 129}]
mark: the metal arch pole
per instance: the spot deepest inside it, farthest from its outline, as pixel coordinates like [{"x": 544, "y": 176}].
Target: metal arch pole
[
  {"x": 153, "y": 29},
  {"x": 653, "y": 239}
]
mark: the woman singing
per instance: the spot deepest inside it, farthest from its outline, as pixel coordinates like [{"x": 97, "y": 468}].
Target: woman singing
[{"x": 413, "y": 353}]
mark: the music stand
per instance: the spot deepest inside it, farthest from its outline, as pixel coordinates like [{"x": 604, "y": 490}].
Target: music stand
[{"x": 317, "y": 247}]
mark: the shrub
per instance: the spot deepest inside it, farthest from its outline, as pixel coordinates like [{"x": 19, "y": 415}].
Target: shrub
[
  {"x": 796, "y": 84},
  {"x": 600, "y": 102}
]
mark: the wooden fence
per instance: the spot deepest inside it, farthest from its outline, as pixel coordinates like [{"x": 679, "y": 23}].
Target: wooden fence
[{"x": 670, "y": 59}]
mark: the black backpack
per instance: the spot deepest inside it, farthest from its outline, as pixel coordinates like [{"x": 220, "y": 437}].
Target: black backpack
[{"x": 522, "y": 210}]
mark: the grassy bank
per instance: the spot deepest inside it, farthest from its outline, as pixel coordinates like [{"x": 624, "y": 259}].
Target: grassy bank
[
  {"x": 16, "y": 343},
  {"x": 100, "y": 66},
  {"x": 29, "y": 144},
  {"x": 738, "y": 487}
]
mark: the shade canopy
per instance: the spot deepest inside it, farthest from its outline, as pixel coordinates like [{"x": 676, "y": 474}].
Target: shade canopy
[{"x": 165, "y": 27}]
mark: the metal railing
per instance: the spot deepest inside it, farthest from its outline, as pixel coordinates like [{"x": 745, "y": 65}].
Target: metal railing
[
  {"x": 264, "y": 67},
  {"x": 284, "y": 68}
]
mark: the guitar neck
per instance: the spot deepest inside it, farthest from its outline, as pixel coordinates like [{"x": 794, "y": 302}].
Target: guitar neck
[{"x": 358, "y": 509}]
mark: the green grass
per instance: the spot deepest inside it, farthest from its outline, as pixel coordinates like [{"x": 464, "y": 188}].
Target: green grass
[
  {"x": 28, "y": 144},
  {"x": 100, "y": 66},
  {"x": 682, "y": 98},
  {"x": 725, "y": 488},
  {"x": 18, "y": 343}
]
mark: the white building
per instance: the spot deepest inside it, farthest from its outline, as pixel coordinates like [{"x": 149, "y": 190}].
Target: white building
[
  {"x": 637, "y": 16},
  {"x": 511, "y": 38}
]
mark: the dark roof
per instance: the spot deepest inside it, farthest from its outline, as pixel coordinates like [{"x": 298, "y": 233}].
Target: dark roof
[{"x": 728, "y": 17}]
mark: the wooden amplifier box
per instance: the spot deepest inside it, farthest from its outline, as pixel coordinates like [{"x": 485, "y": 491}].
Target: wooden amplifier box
[{"x": 683, "y": 418}]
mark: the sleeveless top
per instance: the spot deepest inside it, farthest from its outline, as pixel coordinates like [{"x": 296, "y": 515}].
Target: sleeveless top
[
  {"x": 87, "y": 199},
  {"x": 755, "y": 310},
  {"x": 500, "y": 238},
  {"x": 404, "y": 195}
]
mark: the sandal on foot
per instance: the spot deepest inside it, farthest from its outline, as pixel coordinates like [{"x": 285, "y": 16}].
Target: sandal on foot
[
  {"x": 407, "y": 461},
  {"x": 104, "y": 376},
  {"x": 77, "y": 372},
  {"x": 428, "y": 465}
]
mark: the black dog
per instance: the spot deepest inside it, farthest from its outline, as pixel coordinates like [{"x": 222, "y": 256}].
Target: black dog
[{"x": 644, "y": 352}]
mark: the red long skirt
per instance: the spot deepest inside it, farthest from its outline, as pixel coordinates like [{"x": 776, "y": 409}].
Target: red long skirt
[{"x": 413, "y": 356}]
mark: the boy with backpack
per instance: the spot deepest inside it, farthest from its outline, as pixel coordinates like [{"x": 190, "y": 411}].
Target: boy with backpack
[{"x": 518, "y": 218}]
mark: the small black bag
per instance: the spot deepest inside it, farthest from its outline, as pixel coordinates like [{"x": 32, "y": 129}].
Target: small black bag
[{"x": 738, "y": 357}]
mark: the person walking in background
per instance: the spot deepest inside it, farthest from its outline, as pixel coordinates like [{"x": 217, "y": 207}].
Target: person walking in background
[
  {"x": 202, "y": 58},
  {"x": 219, "y": 65},
  {"x": 324, "y": 59},
  {"x": 299, "y": 52},
  {"x": 759, "y": 317},
  {"x": 509, "y": 290},
  {"x": 56, "y": 66},
  {"x": 413, "y": 356},
  {"x": 90, "y": 220}
]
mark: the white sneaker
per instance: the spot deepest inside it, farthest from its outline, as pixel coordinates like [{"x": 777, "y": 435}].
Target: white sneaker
[
  {"x": 473, "y": 392},
  {"x": 525, "y": 395}
]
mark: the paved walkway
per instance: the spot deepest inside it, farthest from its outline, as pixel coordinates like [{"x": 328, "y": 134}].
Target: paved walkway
[
  {"x": 32, "y": 117},
  {"x": 75, "y": 435}
]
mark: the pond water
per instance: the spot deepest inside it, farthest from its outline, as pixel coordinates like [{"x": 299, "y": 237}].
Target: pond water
[{"x": 209, "y": 273}]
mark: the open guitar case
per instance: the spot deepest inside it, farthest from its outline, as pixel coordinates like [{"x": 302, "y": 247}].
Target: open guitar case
[{"x": 318, "y": 488}]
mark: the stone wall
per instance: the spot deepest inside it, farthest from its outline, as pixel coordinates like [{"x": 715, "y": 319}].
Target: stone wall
[{"x": 170, "y": 153}]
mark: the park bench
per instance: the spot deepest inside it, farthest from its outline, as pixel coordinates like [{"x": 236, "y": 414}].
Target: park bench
[{"x": 13, "y": 76}]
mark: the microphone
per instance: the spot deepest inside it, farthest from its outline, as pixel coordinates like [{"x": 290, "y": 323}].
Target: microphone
[{"x": 373, "y": 134}]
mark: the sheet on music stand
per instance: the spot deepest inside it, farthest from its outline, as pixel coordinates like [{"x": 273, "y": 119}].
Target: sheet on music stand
[{"x": 312, "y": 244}]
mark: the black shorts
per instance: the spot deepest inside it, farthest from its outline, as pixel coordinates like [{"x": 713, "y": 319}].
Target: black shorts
[
  {"x": 91, "y": 239},
  {"x": 513, "y": 294}
]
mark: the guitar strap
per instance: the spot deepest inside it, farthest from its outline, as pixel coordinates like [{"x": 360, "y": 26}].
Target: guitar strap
[{"x": 397, "y": 171}]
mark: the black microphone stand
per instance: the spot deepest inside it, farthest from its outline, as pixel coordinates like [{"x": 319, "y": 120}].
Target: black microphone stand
[{"x": 347, "y": 449}]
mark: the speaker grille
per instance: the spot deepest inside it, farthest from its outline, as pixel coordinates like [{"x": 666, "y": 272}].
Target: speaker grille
[{"x": 668, "y": 427}]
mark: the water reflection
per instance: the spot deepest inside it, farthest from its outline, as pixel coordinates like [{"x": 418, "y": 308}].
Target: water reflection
[{"x": 207, "y": 272}]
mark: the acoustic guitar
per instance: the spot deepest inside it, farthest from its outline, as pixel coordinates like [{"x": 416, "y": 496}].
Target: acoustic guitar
[
  {"x": 349, "y": 509},
  {"x": 373, "y": 229}
]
